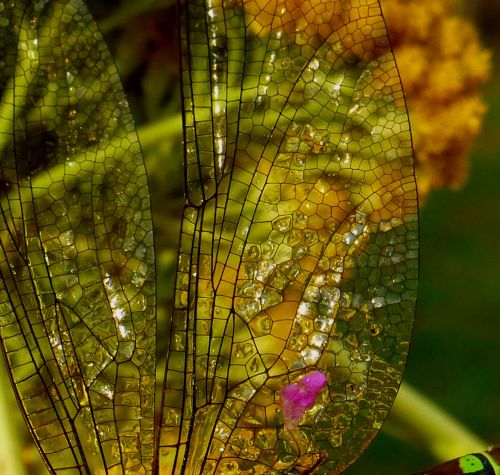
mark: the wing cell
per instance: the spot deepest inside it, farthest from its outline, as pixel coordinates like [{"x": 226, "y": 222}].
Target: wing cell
[
  {"x": 299, "y": 240},
  {"x": 77, "y": 298}
]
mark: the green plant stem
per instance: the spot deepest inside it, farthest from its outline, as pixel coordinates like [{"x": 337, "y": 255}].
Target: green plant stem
[
  {"x": 150, "y": 135},
  {"x": 167, "y": 127},
  {"x": 418, "y": 420},
  {"x": 11, "y": 460}
]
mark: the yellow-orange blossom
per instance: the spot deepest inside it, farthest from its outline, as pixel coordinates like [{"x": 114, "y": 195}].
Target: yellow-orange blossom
[
  {"x": 442, "y": 67},
  {"x": 441, "y": 63}
]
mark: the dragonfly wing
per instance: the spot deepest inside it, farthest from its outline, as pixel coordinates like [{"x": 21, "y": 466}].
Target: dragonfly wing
[
  {"x": 298, "y": 249},
  {"x": 77, "y": 297}
]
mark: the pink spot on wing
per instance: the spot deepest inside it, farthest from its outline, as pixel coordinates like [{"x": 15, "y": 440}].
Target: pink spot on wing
[{"x": 296, "y": 398}]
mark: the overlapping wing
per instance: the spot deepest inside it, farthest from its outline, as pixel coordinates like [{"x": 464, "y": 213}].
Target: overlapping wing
[
  {"x": 298, "y": 252},
  {"x": 77, "y": 319}
]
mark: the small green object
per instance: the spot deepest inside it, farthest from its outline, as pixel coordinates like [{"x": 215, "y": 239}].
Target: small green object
[
  {"x": 470, "y": 464},
  {"x": 483, "y": 463}
]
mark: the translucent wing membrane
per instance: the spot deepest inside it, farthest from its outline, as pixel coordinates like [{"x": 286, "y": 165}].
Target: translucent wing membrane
[
  {"x": 298, "y": 257},
  {"x": 77, "y": 317}
]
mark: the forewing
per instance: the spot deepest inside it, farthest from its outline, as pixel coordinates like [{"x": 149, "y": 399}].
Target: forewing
[
  {"x": 77, "y": 316},
  {"x": 298, "y": 253}
]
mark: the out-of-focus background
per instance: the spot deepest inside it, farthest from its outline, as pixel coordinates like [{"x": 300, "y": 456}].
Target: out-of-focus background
[{"x": 455, "y": 355}]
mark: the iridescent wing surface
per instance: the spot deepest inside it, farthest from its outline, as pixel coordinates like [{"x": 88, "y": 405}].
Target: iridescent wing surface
[
  {"x": 77, "y": 298},
  {"x": 298, "y": 256}
]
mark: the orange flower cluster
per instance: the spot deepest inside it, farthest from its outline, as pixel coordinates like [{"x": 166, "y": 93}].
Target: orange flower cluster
[
  {"x": 357, "y": 22},
  {"x": 442, "y": 66},
  {"x": 439, "y": 57}
]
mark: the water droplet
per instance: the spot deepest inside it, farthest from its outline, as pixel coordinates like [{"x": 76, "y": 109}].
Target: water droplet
[
  {"x": 338, "y": 47},
  {"x": 243, "y": 350},
  {"x": 247, "y": 308},
  {"x": 314, "y": 64}
]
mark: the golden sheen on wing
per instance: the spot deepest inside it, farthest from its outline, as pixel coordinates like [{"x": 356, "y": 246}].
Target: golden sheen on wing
[{"x": 299, "y": 243}]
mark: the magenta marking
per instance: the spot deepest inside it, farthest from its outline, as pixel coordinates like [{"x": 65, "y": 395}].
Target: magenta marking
[{"x": 296, "y": 398}]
